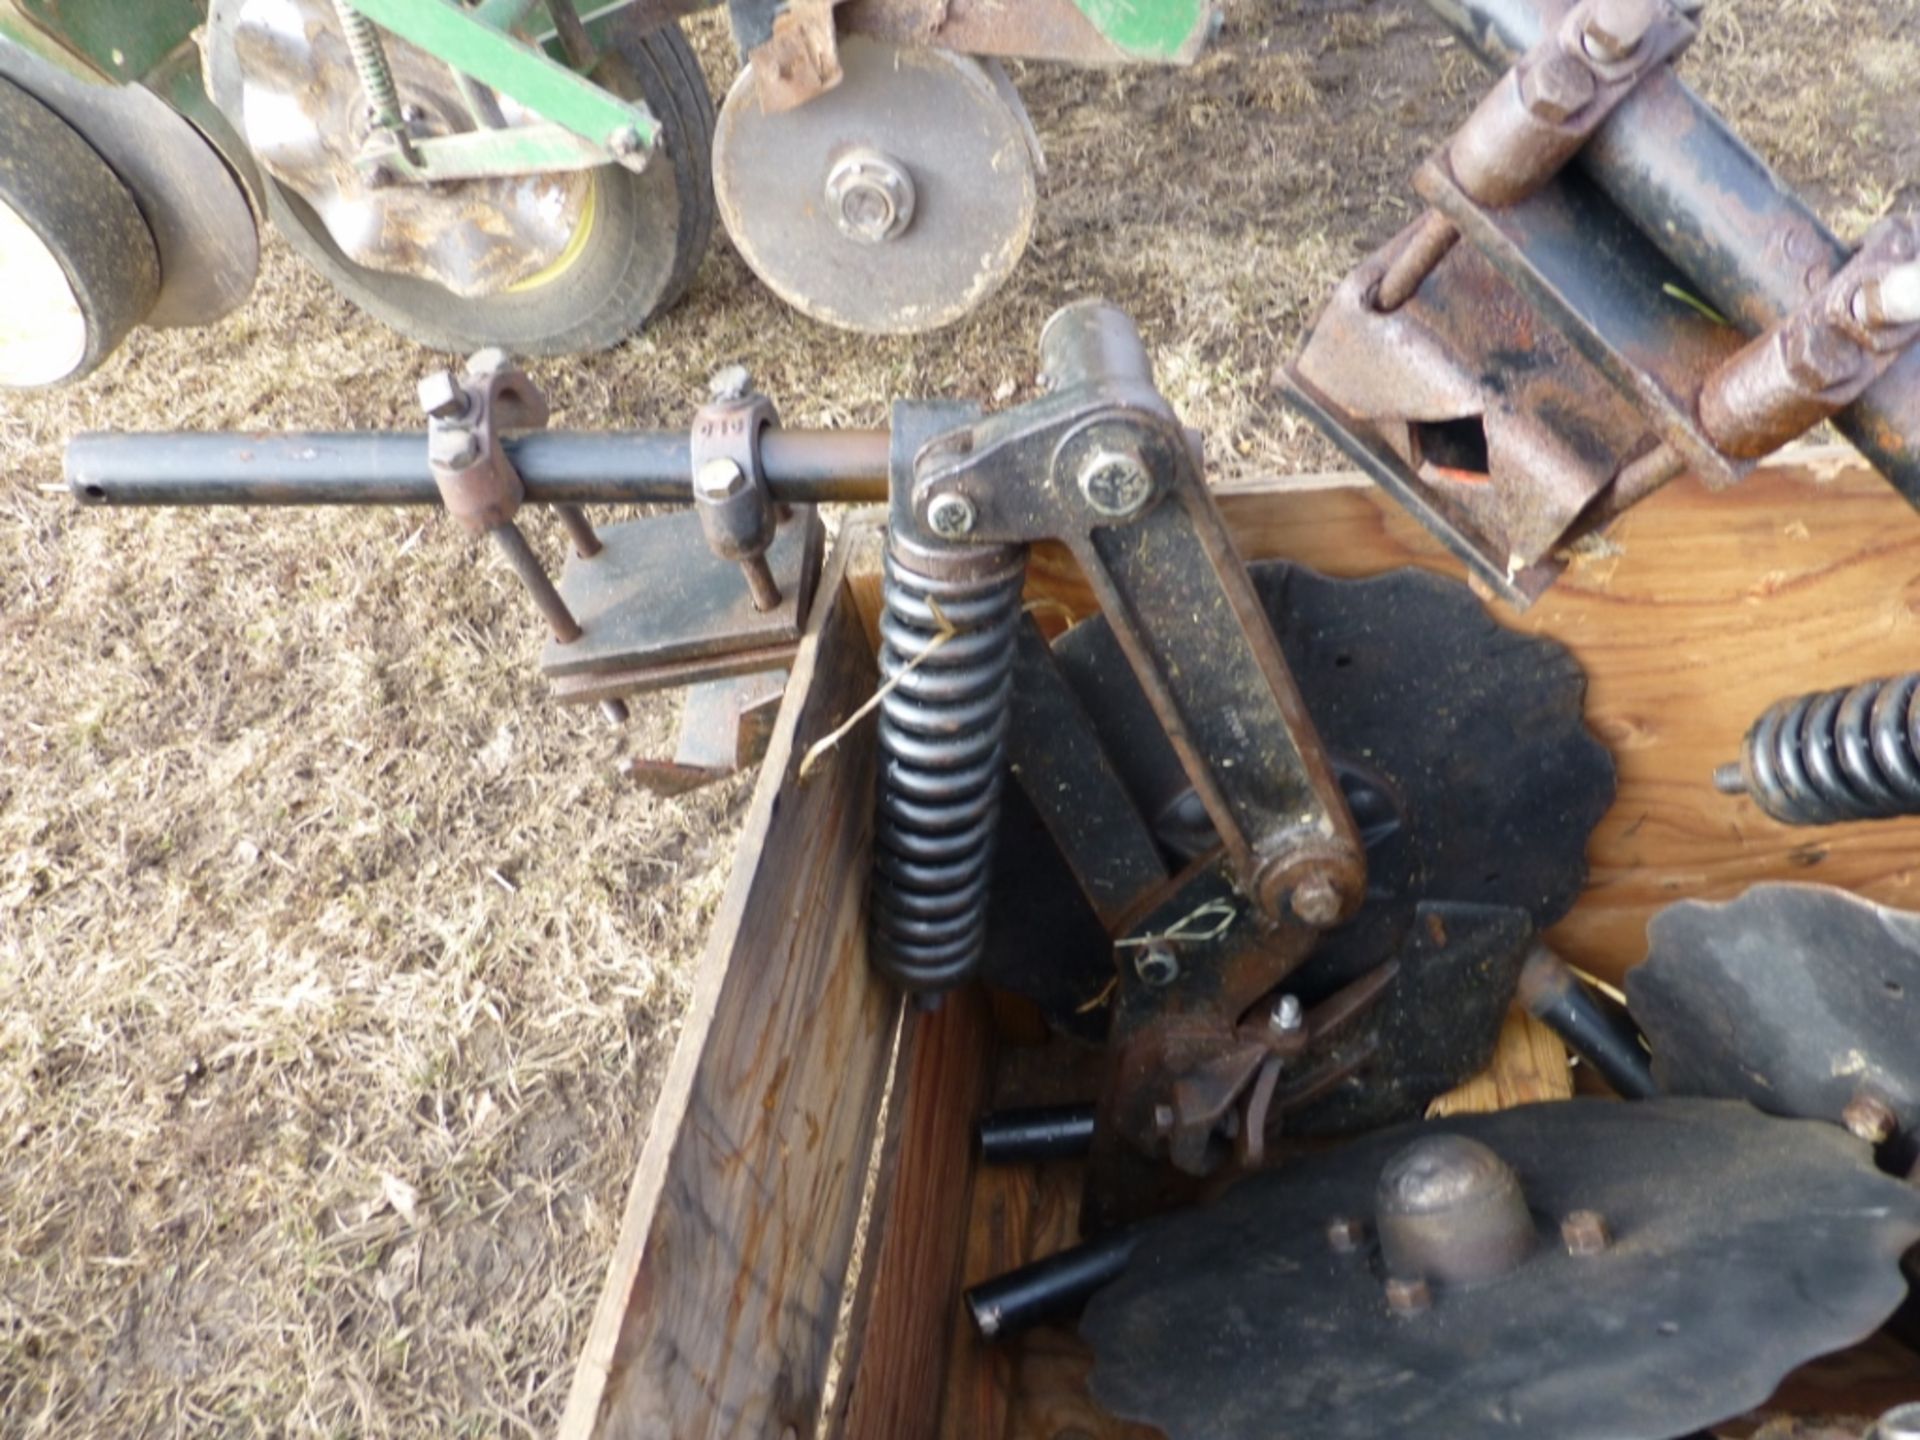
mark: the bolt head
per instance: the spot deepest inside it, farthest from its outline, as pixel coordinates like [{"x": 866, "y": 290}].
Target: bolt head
[
  {"x": 1287, "y": 1017},
  {"x": 442, "y": 396},
  {"x": 1346, "y": 1234},
  {"x": 1316, "y": 902},
  {"x": 1819, "y": 357},
  {"x": 730, "y": 382},
  {"x": 1163, "y": 1119},
  {"x": 625, "y": 140},
  {"x": 1586, "y": 1232},
  {"x": 719, "y": 479},
  {"x": 1116, "y": 482},
  {"x": 1556, "y": 88},
  {"x": 951, "y": 516},
  {"x": 1615, "y": 28},
  {"x": 1870, "y": 1118},
  {"x": 453, "y": 446},
  {"x": 490, "y": 361},
  {"x": 870, "y": 196},
  {"x": 1157, "y": 966},
  {"x": 1408, "y": 1297}
]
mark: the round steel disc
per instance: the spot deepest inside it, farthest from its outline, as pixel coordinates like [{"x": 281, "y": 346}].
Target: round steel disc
[
  {"x": 1794, "y": 998},
  {"x": 939, "y": 117},
  {"x": 1742, "y": 1247}
]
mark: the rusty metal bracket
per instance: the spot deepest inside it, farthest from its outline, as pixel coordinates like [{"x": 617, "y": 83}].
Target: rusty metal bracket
[
  {"x": 730, "y": 492},
  {"x": 724, "y": 729}
]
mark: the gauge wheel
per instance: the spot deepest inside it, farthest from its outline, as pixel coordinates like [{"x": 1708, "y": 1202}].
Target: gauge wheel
[
  {"x": 640, "y": 238},
  {"x": 78, "y": 267}
]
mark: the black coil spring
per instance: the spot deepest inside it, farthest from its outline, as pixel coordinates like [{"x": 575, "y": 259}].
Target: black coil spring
[
  {"x": 942, "y": 762},
  {"x": 1838, "y": 755}
]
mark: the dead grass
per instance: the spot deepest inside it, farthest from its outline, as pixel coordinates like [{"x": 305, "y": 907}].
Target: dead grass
[{"x": 335, "y": 963}]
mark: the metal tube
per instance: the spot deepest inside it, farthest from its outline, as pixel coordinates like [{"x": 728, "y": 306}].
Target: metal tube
[
  {"x": 1046, "y": 1132},
  {"x": 1609, "y": 1042},
  {"x": 1051, "y": 1289},
  {"x": 513, "y": 544},
  {"x": 579, "y": 529},
  {"x": 1750, "y": 246},
  {"x": 374, "y": 467}
]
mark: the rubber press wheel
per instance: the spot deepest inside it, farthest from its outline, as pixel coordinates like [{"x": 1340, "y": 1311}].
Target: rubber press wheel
[
  {"x": 640, "y": 238},
  {"x": 78, "y": 267}
]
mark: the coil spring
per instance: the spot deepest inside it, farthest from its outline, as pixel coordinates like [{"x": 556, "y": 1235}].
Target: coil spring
[
  {"x": 370, "y": 63},
  {"x": 942, "y": 762},
  {"x": 1838, "y": 755}
]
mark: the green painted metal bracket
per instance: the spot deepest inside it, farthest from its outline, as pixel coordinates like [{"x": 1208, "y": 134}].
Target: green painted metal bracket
[
  {"x": 123, "y": 41},
  {"x": 1157, "y": 30},
  {"x": 626, "y": 130}
]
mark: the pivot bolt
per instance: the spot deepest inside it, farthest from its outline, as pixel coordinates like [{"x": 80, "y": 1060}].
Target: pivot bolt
[
  {"x": 1116, "y": 482},
  {"x": 1585, "y": 1232},
  {"x": 1346, "y": 1234},
  {"x": 453, "y": 446},
  {"x": 625, "y": 141},
  {"x": 951, "y": 515},
  {"x": 489, "y": 361},
  {"x": 1870, "y": 1118},
  {"x": 1157, "y": 966},
  {"x": 1287, "y": 1017},
  {"x": 1317, "y": 902},
  {"x": 870, "y": 196},
  {"x": 1556, "y": 88},
  {"x": 1408, "y": 1297},
  {"x": 1615, "y": 28},
  {"x": 442, "y": 396}
]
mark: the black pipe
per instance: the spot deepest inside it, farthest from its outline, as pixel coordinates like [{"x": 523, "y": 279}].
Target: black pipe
[
  {"x": 1055, "y": 1288},
  {"x": 1598, "y": 1032},
  {"x": 376, "y": 467},
  {"x": 1734, "y": 229},
  {"x": 1046, "y": 1132}
]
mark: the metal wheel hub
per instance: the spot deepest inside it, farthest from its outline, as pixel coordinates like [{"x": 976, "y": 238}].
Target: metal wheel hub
[
  {"x": 305, "y": 116},
  {"x": 893, "y": 203}
]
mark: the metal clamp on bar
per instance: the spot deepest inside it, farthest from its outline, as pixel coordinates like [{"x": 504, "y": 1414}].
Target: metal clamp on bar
[{"x": 730, "y": 488}]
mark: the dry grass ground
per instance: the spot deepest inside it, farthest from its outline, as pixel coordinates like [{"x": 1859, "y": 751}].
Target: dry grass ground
[{"x": 334, "y": 962}]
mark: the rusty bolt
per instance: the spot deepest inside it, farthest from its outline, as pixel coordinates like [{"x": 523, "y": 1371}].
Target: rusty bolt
[
  {"x": 1556, "y": 88},
  {"x": 1893, "y": 299},
  {"x": 1586, "y": 1232},
  {"x": 870, "y": 196},
  {"x": 1157, "y": 965},
  {"x": 951, "y": 515},
  {"x": 1870, "y": 1118},
  {"x": 1317, "y": 902},
  {"x": 1346, "y": 1234},
  {"x": 442, "y": 396},
  {"x": 719, "y": 479},
  {"x": 453, "y": 446},
  {"x": 1615, "y": 28},
  {"x": 1819, "y": 357},
  {"x": 1408, "y": 1297}
]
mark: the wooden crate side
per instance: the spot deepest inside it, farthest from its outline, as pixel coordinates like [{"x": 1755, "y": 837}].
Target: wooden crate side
[{"x": 724, "y": 1292}]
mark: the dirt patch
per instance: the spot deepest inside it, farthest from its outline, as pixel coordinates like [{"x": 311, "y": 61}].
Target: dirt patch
[{"x": 335, "y": 964}]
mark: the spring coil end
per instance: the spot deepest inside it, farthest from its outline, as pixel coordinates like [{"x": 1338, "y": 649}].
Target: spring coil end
[{"x": 1835, "y": 755}]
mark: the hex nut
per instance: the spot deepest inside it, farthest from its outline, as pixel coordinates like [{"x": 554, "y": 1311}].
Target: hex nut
[
  {"x": 1287, "y": 1017},
  {"x": 1346, "y": 1234},
  {"x": 1615, "y": 28},
  {"x": 1317, "y": 902},
  {"x": 951, "y": 515},
  {"x": 1557, "y": 88},
  {"x": 1870, "y": 1118},
  {"x": 1116, "y": 482},
  {"x": 453, "y": 446},
  {"x": 442, "y": 396},
  {"x": 1408, "y": 1297},
  {"x": 870, "y": 196},
  {"x": 1586, "y": 1232}
]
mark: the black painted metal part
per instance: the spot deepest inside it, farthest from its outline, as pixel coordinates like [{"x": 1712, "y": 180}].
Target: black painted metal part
[
  {"x": 1802, "y": 1000},
  {"x": 1707, "y": 1250}
]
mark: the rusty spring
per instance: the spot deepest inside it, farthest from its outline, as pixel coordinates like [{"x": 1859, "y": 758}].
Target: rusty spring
[
  {"x": 947, "y": 647},
  {"x": 1835, "y": 755}
]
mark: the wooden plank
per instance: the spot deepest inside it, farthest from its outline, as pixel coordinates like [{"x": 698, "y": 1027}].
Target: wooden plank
[
  {"x": 1698, "y": 612},
  {"x": 917, "y": 1236},
  {"x": 724, "y": 1292},
  {"x": 1529, "y": 1066}
]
